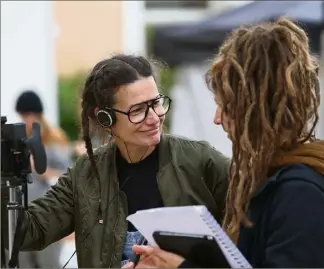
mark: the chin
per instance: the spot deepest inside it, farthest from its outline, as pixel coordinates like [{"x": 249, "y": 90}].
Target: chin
[{"x": 151, "y": 140}]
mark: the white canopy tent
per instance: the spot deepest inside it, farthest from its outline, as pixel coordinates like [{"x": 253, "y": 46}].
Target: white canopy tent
[{"x": 193, "y": 109}]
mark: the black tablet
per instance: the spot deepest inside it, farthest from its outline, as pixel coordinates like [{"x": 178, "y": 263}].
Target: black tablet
[{"x": 202, "y": 250}]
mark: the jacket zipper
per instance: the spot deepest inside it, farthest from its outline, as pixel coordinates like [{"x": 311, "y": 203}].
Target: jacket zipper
[
  {"x": 113, "y": 232},
  {"x": 123, "y": 242}
]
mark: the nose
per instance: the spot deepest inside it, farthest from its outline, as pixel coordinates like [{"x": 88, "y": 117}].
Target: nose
[
  {"x": 151, "y": 117},
  {"x": 218, "y": 116}
]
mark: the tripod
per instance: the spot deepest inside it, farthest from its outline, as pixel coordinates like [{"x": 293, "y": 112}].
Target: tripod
[
  {"x": 16, "y": 150},
  {"x": 17, "y": 189}
]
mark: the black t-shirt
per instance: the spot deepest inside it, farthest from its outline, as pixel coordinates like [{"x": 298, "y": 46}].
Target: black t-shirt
[{"x": 138, "y": 182}]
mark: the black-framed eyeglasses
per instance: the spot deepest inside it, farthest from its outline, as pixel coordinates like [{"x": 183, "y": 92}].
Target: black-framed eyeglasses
[{"x": 137, "y": 113}]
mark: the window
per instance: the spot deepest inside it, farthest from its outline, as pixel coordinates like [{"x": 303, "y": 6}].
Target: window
[{"x": 152, "y": 4}]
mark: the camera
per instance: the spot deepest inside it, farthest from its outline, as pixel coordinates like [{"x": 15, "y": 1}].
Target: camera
[
  {"x": 16, "y": 150},
  {"x": 15, "y": 162}
]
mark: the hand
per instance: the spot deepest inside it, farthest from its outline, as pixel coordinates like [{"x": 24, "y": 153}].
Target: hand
[
  {"x": 152, "y": 257},
  {"x": 144, "y": 262}
]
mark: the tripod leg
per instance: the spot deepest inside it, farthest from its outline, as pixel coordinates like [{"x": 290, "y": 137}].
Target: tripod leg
[
  {"x": 19, "y": 234},
  {"x": 18, "y": 239}
]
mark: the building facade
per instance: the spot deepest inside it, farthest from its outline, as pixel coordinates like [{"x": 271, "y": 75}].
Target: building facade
[{"x": 88, "y": 31}]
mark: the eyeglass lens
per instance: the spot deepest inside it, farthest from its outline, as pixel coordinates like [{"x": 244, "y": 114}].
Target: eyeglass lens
[{"x": 138, "y": 112}]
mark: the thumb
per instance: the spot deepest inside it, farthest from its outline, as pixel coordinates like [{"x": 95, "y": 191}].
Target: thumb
[
  {"x": 143, "y": 250},
  {"x": 129, "y": 265}
]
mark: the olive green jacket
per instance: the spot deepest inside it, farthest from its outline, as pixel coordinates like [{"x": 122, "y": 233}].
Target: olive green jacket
[{"x": 190, "y": 173}]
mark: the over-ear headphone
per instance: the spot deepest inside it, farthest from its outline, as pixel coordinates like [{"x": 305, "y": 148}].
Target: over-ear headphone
[{"x": 106, "y": 117}]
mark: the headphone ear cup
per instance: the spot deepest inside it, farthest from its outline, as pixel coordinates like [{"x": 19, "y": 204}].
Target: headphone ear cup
[{"x": 106, "y": 118}]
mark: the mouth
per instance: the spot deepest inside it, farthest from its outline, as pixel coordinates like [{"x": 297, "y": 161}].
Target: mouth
[{"x": 151, "y": 131}]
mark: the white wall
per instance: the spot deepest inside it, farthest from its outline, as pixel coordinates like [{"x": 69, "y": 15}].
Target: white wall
[
  {"x": 27, "y": 55},
  {"x": 193, "y": 109},
  {"x": 134, "y": 36}
]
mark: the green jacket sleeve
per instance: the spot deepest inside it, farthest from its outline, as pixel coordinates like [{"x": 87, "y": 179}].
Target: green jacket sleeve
[
  {"x": 51, "y": 217},
  {"x": 47, "y": 219},
  {"x": 216, "y": 176}
]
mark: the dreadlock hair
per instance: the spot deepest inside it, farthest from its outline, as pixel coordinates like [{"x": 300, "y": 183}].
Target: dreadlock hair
[
  {"x": 267, "y": 82},
  {"x": 103, "y": 82}
]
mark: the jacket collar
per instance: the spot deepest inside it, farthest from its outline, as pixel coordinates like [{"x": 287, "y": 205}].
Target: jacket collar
[
  {"x": 108, "y": 168},
  {"x": 164, "y": 152},
  {"x": 269, "y": 182},
  {"x": 288, "y": 172},
  {"x": 165, "y": 155}
]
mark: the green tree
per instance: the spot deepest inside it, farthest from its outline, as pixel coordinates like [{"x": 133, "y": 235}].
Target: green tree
[{"x": 69, "y": 103}]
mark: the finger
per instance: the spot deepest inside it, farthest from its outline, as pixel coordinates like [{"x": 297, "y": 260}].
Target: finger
[
  {"x": 143, "y": 250},
  {"x": 157, "y": 261},
  {"x": 129, "y": 265},
  {"x": 166, "y": 257},
  {"x": 149, "y": 262},
  {"x": 161, "y": 253},
  {"x": 145, "y": 263}
]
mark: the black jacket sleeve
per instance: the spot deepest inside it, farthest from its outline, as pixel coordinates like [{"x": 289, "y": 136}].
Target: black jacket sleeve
[{"x": 296, "y": 226}]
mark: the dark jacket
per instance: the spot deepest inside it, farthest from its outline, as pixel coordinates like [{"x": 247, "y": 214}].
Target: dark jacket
[
  {"x": 288, "y": 216},
  {"x": 288, "y": 221},
  {"x": 190, "y": 173}
]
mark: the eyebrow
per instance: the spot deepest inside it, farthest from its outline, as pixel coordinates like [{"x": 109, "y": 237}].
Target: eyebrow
[{"x": 159, "y": 95}]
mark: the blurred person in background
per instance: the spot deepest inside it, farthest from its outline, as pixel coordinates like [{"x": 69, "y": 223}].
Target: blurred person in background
[
  {"x": 140, "y": 168},
  {"x": 30, "y": 108},
  {"x": 266, "y": 87}
]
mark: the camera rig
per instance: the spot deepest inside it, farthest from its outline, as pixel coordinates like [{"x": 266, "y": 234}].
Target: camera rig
[{"x": 16, "y": 150}]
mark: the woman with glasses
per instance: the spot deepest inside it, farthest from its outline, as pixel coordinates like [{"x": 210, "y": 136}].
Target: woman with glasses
[{"x": 140, "y": 168}]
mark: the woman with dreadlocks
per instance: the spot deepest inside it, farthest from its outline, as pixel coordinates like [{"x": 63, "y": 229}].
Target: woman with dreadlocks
[
  {"x": 266, "y": 86},
  {"x": 141, "y": 168}
]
